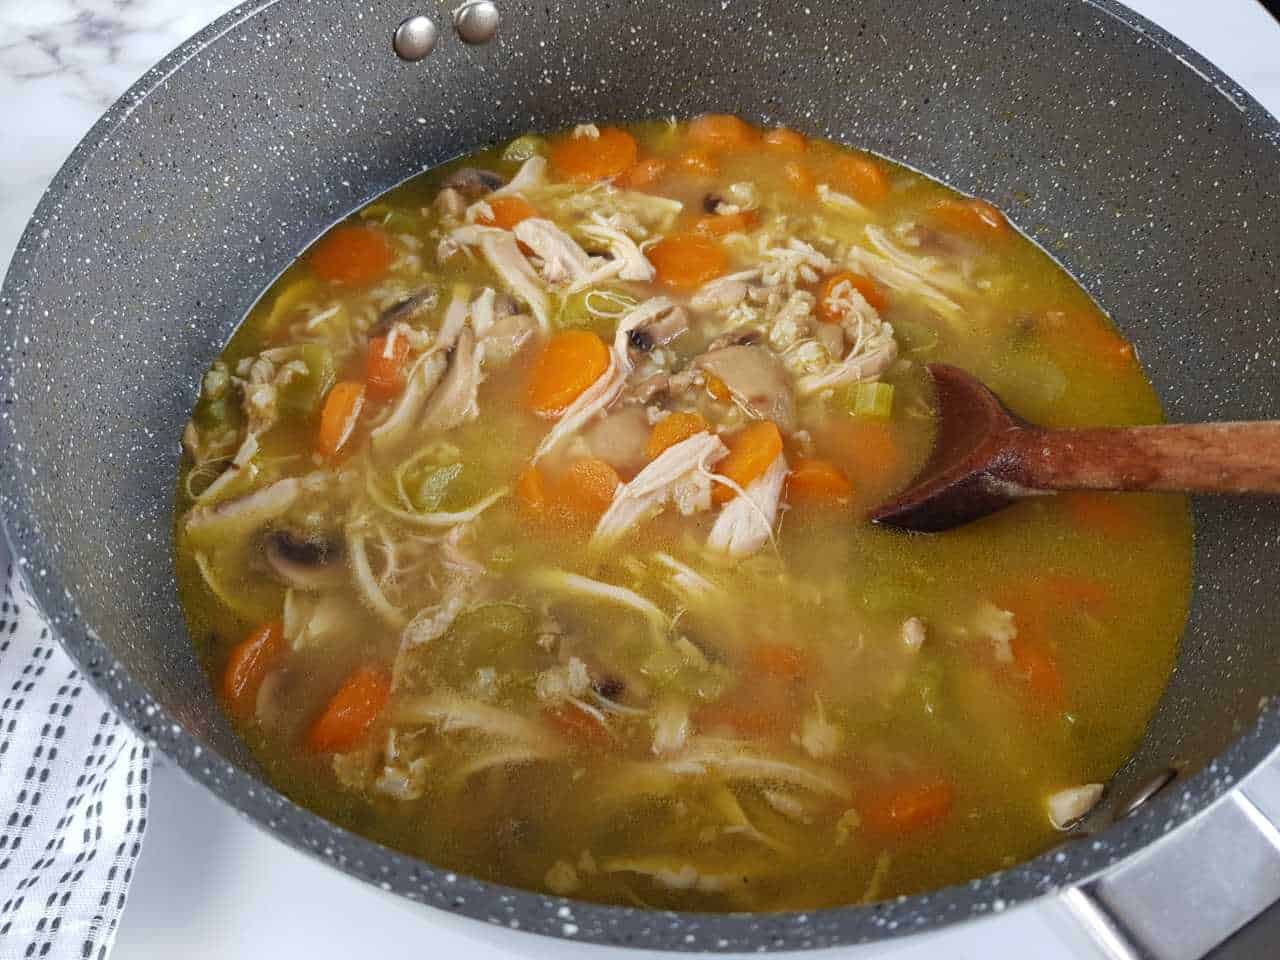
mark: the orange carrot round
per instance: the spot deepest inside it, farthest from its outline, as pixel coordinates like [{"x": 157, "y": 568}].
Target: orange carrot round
[
  {"x": 1113, "y": 516},
  {"x": 587, "y": 487},
  {"x": 722, "y": 131},
  {"x": 351, "y": 712},
  {"x": 248, "y": 665},
  {"x": 384, "y": 370},
  {"x": 799, "y": 177},
  {"x": 569, "y": 363},
  {"x": 508, "y": 210},
  {"x": 718, "y": 389},
  {"x": 817, "y": 483},
  {"x": 531, "y": 490},
  {"x": 577, "y": 726},
  {"x": 828, "y": 309},
  {"x": 782, "y": 140},
  {"x": 861, "y": 177},
  {"x": 698, "y": 162},
  {"x": 780, "y": 660},
  {"x": 338, "y": 417},
  {"x": 910, "y": 807},
  {"x": 686, "y": 260},
  {"x": 643, "y": 173},
  {"x": 751, "y": 450},
  {"x": 723, "y": 224},
  {"x": 671, "y": 430},
  {"x": 970, "y": 216},
  {"x": 586, "y": 159},
  {"x": 351, "y": 254}
]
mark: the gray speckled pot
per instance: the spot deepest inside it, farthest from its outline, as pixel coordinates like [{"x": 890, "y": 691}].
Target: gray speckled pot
[{"x": 1145, "y": 170}]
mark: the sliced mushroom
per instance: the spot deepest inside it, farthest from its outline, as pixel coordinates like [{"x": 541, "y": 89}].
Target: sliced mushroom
[
  {"x": 305, "y": 560},
  {"x": 473, "y": 183},
  {"x": 507, "y": 337},
  {"x": 407, "y": 310},
  {"x": 620, "y": 439},
  {"x": 757, "y": 379}
]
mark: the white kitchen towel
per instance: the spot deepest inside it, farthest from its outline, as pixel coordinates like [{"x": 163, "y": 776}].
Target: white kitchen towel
[{"x": 73, "y": 797}]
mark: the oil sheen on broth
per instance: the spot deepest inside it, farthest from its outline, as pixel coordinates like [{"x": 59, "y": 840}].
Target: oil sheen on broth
[{"x": 522, "y": 528}]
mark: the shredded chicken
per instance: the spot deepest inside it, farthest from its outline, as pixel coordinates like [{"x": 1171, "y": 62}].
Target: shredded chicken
[
  {"x": 562, "y": 259},
  {"x": 634, "y": 264},
  {"x": 746, "y": 522}
]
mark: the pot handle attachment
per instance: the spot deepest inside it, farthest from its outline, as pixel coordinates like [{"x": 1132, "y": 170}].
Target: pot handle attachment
[{"x": 1189, "y": 891}]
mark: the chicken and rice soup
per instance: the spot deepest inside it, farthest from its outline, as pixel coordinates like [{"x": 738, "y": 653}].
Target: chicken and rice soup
[{"x": 522, "y": 527}]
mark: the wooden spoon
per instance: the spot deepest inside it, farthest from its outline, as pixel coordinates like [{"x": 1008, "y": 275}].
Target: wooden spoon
[{"x": 986, "y": 459}]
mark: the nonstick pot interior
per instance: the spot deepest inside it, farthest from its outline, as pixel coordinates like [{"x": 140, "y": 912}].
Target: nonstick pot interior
[{"x": 1151, "y": 176}]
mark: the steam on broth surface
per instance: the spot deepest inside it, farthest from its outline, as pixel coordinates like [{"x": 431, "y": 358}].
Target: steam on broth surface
[{"x": 522, "y": 527}]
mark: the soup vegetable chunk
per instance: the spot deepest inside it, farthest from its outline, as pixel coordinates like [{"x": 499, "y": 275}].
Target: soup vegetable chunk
[{"x": 522, "y": 527}]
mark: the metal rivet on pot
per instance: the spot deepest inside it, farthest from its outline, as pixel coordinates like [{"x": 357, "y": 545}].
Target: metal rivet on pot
[
  {"x": 476, "y": 21},
  {"x": 415, "y": 38},
  {"x": 1148, "y": 789}
]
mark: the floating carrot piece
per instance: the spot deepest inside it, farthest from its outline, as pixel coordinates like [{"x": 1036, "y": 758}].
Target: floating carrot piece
[
  {"x": 349, "y": 715},
  {"x": 785, "y": 141},
  {"x": 586, "y": 159},
  {"x": 531, "y": 490},
  {"x": 723, "y": 224},
  {"x": 751, "y": 450},
  {"x": 384, "y": 371},
  {"x": 817, "y": 483},
  {"x": 910, "y": 807},
  {"x": 1089, "y": 336},
  {"x": 686, "y": 260},
  {"x": 671, "y": 430},
  {"x": 780, "y": 660},
  {"x": 970, "y": 216},
  {"x": 1036, "y": 663},
  {"x": 829, "y": 308},
  {"x": 339, "y": 416},
  {"x": 1108, "y": 515},
  {"x": 722, "y": 131},
  {"x": 508, "y": 210},
  {"x": 698, "y": 162},
  {"x": 869, "y": 449},
  {"x": 248, "y": 665},
  {"x": 644, "y": 173},
  {"x": 587, "y": 487},
  {"x": 718, "y": 389},
  {"x": 862, "y": 177},
  {"x": 799, "y": 177},
  {"x": 351, "y": 254},
  {"x": 577, "y": 726},
  {"x": 569, "y": 363}
]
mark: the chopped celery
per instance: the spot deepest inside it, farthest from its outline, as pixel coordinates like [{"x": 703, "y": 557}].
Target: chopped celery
[
  {"x": 873, "y": 400},
  {"x": 302, "y": 394},
  {"x": 286, "y": 301},
  {"x": 394, "y": 219},
  {"x": 594, "y": 310},
  {"x": 522, "y": 148},
  {"x": 434, "y": 487}
]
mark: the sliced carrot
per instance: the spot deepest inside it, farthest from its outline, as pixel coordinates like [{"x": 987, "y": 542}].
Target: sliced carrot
[
  {"x": 351, "y": 254},
  {"x": 384, "y": 371},
  {"x": 587, "y": 487},
  {"x": 586, "y": 159},
  {"x": 970, "y": 216},
  {"x": 643, "y": 173},
  {"x": 686, "y": 260},
  {"x": 910, "y": 807},
  {"x": 799, "y": 177},
  {"x": 248, "y": 665},
  {"x": 569, "y": 363},
  {"x": 869, "y": 449},
  {"x": 1108, "y": 515},
  {"x": 577, "y": 726},
  {"x": 531, "y": 491},
  {"x": 351, "y": 712},
  {"x": 508, "y": 210},
  {"x": 722, "y": 131},
  {"x": 861, "y": 177},
  {"x": 828, "y": 297},
  {"x": 338, "y": 417},
  {"x": 698, "y": 162},
  {"x": 671, "y": 430},
  {"x": 723, "y": 224},
  {"x": 718, "y": 389},
  {"x": 751, "y": 450},
  {"x": 785, "y": 141},
  {"x": 817, "y": 483},
  {"x": 1089, "y": 336},
  {"x": 780, "y": 660},
  {"x": 1038, "y": 666}
]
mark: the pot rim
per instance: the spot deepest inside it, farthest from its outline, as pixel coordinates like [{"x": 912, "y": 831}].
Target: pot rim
[{"x": 1070, "y": 864}]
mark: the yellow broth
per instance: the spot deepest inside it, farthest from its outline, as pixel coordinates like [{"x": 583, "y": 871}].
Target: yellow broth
[{"x": 845, "y": 714}]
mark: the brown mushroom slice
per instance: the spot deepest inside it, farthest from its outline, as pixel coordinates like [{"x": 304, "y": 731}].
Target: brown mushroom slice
[
  {"x": 407, "y": 310},
  {"x": 756, "y": 379},
  {"x": 305, "y": 561},
  {"x": 473, "y": 183},
  {"x": 620, "y": 439}
]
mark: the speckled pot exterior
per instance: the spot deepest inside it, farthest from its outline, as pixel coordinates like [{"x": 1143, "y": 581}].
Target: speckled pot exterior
[{"x": 1148, "y": 173}]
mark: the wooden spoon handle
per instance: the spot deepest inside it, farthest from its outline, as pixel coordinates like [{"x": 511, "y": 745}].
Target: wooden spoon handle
[{"x": 1196, "y": 458}]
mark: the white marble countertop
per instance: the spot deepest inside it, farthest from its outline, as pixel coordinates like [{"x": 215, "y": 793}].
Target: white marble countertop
[{"x": 209, "y": 885}]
